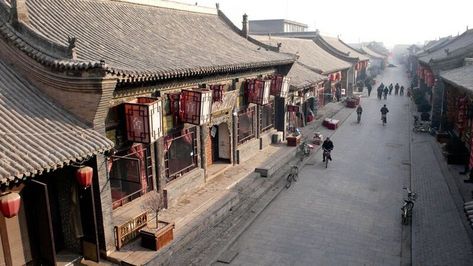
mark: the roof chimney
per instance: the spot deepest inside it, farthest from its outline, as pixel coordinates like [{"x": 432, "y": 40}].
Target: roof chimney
[
  {"x": 245, "y": 26},
  {"x": 19, "y": 11}
]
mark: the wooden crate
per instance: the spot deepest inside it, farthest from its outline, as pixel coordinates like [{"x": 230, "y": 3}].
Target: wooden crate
[{"x": 293, "y": 140}]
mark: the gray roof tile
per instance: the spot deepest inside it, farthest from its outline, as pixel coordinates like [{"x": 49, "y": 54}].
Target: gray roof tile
[
  {"x": 456, "y": 46},
  {"x": 140, "y": 40},
  {"x": 311, "y": 55},
  {"x": 36, "y": 135},
  {"x": 300, "y": 76},
  {"x": 461, "y": 77},
  {"x": 344, "y": 48},
  {"x": 372, "y": 53}
]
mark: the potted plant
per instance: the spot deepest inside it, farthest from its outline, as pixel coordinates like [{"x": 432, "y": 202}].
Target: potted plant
[{"x": 157, "y": 235}]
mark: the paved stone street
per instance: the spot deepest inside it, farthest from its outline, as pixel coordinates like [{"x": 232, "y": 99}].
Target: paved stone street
[{"x": 349, "y": 214}]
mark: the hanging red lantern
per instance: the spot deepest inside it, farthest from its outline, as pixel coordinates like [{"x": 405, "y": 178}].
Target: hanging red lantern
[
  {"x": 84, "y": 176},
  {"x": 10, "y": 204}
]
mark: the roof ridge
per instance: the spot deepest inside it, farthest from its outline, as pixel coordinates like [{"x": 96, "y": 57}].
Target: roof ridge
[
  {"x": 171, "y": 5},
  {"x": 318, "y": 39}
]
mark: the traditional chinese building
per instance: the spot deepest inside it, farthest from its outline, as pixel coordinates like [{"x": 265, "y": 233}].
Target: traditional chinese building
[
  {"x": 176, "y": 88},
  {"x": 316, "y": 59},
  {"x": 46, "y": 213},
  {"x": 457, "y": 109},
  {"x": 338, "y": 48},
  {"x": 377, "y": 61},
  {"x": 448, "y": 55},
  {"x": 306, "y": 95}
]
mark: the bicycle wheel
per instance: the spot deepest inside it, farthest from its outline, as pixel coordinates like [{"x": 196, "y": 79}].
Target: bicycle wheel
[
  {"x": 404, "y": 216},
  {"x": 289, "y": 180}
]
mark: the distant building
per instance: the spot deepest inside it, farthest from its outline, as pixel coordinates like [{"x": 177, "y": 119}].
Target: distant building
[{"x": 276, "y": 26}]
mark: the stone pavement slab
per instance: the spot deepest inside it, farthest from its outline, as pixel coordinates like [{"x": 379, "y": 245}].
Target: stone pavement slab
[{"x": 439, "y": 236}]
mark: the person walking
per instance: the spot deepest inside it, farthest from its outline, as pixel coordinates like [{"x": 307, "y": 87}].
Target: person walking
[
  {"x": 401, "y": 91},
  {"x": 390, "y": 88},
  {"x": 396, "y": 89},
  {"x": 380, "y": 92},
  {"x": 386, "y": 91}
]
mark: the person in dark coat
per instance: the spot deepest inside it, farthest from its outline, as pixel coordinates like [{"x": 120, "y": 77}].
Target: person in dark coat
[
  {"x": 390, "y": 88},
  {"x": 396, "y": 89},
  {"x": 401, "y": 91},
  {"x": 386, "y": 91},
  {"x": 380, "y": 91},
  {"x": 328, "y": 146}
]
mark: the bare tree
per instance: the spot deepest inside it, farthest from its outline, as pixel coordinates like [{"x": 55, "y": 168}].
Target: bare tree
[{"x": 152, "y": 203}]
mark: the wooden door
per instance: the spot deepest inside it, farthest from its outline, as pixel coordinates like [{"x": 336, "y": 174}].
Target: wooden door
[
  {"x": 224, "y": 148},
  {"x": 40, "y": 229},
  {"x": 90, "y": 244}
]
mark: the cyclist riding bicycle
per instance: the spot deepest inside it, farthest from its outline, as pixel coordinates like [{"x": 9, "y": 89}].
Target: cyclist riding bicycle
[
  {"x": 327, "y": 146},
  {"x": 359, "y": 110},
  {"x": 384, "y": 110}
]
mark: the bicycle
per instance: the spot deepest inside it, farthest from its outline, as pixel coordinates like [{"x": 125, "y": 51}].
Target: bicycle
[
  {"x": 292, "y": 176},
  {"x": 406, "y": 210},
  {"x": 383, "y": 118},
  {"x": 422, "y": 127},
  {"x": 305, "y": 149},
  {"x": 327, "y": 157},
  {"x": 358, "y": 117}
]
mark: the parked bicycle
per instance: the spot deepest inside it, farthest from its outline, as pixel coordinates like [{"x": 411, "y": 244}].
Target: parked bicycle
[
  {"x": 305, "y": 149},
  {"x": 406, "y": 210},
  {"x": 292, "y": 176},
  {"x": 422, "y": 127}
]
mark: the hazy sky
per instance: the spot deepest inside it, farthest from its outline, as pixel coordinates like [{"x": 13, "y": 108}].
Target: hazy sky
[{"x": 392, "y": 22}]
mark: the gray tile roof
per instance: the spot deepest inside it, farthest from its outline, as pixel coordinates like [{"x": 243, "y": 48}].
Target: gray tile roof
[
  {"x": 344, "y": 48},
  {"x": 461, "y": 77},
  {"x": 36, "y": 135},
  {"x": 142, "y": 40},
  {"x": 311, "y": 55},
  {"x": 300, "y": 76},
  {"x": 372, "y": 53},
  {"x": 434, "y": 45},
  {"x": 461, "y": 45}
]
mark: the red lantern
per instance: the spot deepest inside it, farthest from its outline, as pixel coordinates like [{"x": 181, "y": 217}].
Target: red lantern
[
  {"x": 10, "y": 204},
  {"x": 84, "y": 176}
]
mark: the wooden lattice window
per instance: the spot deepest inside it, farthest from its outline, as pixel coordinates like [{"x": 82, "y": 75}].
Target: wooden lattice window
[
  {"x": 246, "y": 128},
  {"x": 267, "y": 116},
  {"x": 130, "y": 174},
  {"x": 180, "y": 153}
]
